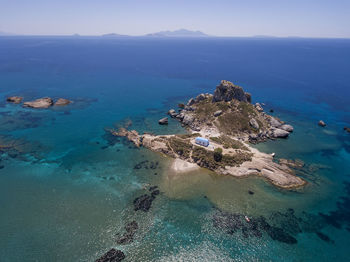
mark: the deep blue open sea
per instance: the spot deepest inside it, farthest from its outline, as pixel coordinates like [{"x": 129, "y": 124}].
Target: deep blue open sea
[{"x": 68, "y": 192}]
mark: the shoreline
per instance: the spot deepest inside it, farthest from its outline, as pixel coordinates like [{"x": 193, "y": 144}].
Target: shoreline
[{"x": 229, "y": 122}]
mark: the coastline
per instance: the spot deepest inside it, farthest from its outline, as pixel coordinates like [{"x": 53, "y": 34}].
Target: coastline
[{"x": 229, "y": 130}]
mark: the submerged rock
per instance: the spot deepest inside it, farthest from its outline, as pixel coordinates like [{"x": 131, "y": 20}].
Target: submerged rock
[
  {"x": 45, "y": 102},
  {"x": 227, "y": 91},
  {"x": 321, "y": 123},
  {"x": 62, "y": 102},
  {"x": 15, "y": 99},
  {"x": 143, "y": 203},
  {"x": 112, "y": 255},
  {"x": 163, "y": 121},
  {"x": 347, "y": 129}
]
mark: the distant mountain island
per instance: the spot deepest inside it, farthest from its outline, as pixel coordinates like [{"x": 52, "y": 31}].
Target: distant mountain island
[{"x": 179, "y": 33}]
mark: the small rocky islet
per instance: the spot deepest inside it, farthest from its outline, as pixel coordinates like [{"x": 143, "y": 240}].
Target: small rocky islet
[
  {"x": 40, "y": 103},
  {"x": 229, "y": 120}
]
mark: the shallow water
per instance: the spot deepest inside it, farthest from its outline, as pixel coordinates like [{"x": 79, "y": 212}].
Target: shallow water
[{"x": 68, "y": 192}]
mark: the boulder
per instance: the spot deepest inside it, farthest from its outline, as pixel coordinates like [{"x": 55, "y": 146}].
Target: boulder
[
  {"x": 181, "y": 105},
  {"x": 227, "y": 91},
  {"x": 253, "y": 123},
  {"x": 347, "y": 129},
  {"x": 163, "y": 121},
  {"x": 248, "y": 96},
  {"x": 188, "y": 119},
  {"x": 45, "y": 102},
  {"x": 217, "y": 113},
  {"x": 180, "y": 116},
  {"x": 259, "y": 107},
  {"x": 62, "y": 102},
  {"x": 321, "y": 123},
  {"x": 191, "y": 102},
  {"x": 15, "y": 99},
  {"x": 172, "y": 113},
  {"x": 279, "y": 133},
  {"x": 288, "y": 128},
  {"x": 199, "y": 98},
  {"x": 274, "y": 122}
]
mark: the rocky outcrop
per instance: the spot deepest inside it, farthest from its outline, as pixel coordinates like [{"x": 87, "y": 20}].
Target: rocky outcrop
[
  {"x": 62, "y": 102},
  {"x": 227, "y": 91},
  {"x": 321, "y": 123},
  {"x": 347, "y": 129},
  {"x": 45, "y": 102},
  {"x": 259, "y": 107},
  {"x": 132, "y": 135},
  {"x": 248, "y": 96},
  {"x": 172, "y": 113},
  {"x": 15, "y": 99},
  {"x": 199, "y": 98},
  {"x": 279, "y": 133},
  {"x": 274, "y": 122},
  {"x": 163, "y": 121},
  {"x": 287, "y": 128},
  {"x": 191, "y": 102},
  {"x": 253, "y": 123}
]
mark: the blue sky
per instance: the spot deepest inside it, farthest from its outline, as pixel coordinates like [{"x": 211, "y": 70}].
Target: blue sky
[{"x": 307, "y": 18}]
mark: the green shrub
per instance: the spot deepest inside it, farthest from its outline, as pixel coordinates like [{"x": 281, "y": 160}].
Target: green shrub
[{"x": 218, "y": 154}]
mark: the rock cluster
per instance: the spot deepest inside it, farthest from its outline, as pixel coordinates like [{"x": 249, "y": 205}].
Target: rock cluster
[
  {"x": 44, "y": 102},
  {"x": 15, "y": 99}
]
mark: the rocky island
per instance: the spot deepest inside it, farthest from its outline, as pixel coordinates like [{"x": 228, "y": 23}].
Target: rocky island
[
  {"x": 230, "y": 122},
  {"x": 40, "y": 103}
]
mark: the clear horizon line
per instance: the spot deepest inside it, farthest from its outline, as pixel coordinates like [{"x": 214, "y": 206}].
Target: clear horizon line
[{"x": 150, "y": 35}]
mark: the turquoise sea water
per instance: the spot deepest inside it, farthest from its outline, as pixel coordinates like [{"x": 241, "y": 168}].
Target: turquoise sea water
[{"x": 69, "y": 193}]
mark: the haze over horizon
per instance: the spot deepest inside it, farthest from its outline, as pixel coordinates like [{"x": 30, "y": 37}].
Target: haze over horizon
[{"x": 312, "y": 18}]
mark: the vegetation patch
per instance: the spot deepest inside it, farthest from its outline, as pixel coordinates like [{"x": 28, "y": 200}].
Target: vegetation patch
[
  {"x": 228, "y": 142},
  {"x": 213, "y": 160},
  {"x": 179, "y": 146},
  {"x": 186, "y": 136}
]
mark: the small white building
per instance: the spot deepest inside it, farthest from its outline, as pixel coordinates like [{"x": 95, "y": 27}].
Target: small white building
[{"x": 202, "y": 141}]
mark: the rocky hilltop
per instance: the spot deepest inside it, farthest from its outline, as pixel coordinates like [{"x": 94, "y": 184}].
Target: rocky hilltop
[{"x": 229, "y": 121}]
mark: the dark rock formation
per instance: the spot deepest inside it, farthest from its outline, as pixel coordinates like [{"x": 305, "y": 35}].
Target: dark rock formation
[
  {"x": 112, "y": 255},
  {"x": 45, "y": 102},
  {"x": 15, "y": 99},
  {"x": 163, "y": 121},
  {"x": 321, "y": 123},
  {"x": 62, "y": 102},
  {"x": 128, "y": 236},
  {"x": 248, "y": 96},
  {"x": 143, "y": 203},
  {"x": 227, "y": 91},
  {"x": 347, "y": 129}
]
